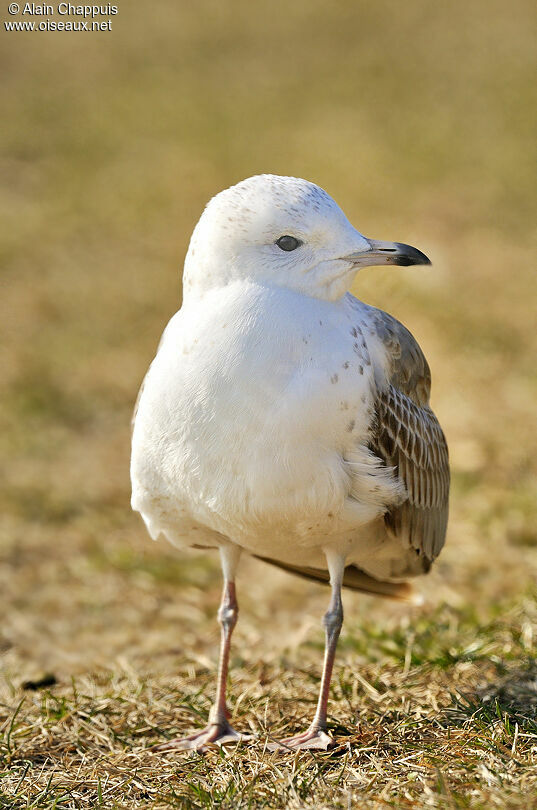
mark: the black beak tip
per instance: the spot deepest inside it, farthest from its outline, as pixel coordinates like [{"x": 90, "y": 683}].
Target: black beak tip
[{"x": 409, "y": 255}]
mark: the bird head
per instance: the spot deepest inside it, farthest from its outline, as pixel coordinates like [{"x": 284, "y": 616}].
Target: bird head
[{"x": 287, "y": 232}]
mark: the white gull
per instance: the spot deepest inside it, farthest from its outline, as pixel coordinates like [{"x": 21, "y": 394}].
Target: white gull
[{"x": 285, "y": 418}]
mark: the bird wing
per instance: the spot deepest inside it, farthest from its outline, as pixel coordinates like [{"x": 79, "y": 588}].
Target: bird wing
[
  {"x": 353, "y": 578},
  {"x": 407, "y": 436}
]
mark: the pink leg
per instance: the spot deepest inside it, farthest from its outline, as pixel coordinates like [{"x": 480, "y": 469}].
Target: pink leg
[
  {"x": 228, "y": 614},
  {"x": 316, "y": 737},
  {"x": 218, "y": 730}
]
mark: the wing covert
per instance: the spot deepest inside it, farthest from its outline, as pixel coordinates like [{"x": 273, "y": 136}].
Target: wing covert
[{"x": 407, "y": 436}]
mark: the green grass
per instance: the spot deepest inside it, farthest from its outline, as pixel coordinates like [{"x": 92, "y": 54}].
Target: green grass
[{"x": 420, "y": 120}]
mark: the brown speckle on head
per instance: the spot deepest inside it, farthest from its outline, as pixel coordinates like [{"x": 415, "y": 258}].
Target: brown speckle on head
[
  {"x": 334, "y": 378},
  {"x": 360, "y": 369},
  {"x": 346, "y": 364},
  {"x": 350, "y": 426},
  {"x": 354, "y": 333}
]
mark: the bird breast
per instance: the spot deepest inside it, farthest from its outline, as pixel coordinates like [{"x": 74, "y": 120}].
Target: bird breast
[{"x": 255, "y": 399}]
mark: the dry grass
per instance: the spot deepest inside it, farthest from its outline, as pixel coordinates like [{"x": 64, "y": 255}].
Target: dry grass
[
  {"x": 437, "y": 712},
  {"x": 420, "y": 120}
]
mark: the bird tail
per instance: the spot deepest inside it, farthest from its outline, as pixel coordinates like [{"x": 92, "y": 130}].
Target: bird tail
[{"x": 355, "y": 579}]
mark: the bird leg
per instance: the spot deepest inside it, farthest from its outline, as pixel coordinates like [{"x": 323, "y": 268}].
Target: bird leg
[
  {"x": 218, "y": 731},
  {"x": 316, "y": 737}
]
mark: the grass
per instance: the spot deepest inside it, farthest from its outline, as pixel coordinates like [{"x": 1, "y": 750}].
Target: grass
[
  {"x": 420, "y": 120},
  {"x": 438, "y": 718}
]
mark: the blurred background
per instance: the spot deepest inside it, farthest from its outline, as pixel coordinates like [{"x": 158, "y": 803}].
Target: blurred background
[{"x": 419, "y": 118}]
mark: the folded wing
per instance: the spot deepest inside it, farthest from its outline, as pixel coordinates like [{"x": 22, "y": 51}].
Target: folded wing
[{"x": 407, "y": 436}]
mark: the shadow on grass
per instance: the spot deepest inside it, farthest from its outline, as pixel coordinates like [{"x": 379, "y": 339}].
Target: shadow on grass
[{"x": 510, "y": 700}]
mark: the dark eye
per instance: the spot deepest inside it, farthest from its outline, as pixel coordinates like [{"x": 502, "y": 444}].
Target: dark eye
[{"x": 288, "y": 242}]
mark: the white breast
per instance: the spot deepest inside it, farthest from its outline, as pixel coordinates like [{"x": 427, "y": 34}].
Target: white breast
[{"x": 252, "y": 422}]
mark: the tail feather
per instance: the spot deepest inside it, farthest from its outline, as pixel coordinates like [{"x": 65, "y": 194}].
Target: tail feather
[{"x": 355, "y": 579}]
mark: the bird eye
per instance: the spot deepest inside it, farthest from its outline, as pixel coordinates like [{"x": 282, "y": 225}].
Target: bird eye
[{"x": 288, "y": 242}]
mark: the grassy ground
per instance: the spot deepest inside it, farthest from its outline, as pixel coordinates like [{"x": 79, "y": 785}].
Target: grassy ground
[{"x": 420, "y": 120}]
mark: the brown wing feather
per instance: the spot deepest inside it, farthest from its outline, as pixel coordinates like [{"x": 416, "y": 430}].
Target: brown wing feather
[
  {"x": 408, "y": 437},
  {"x": 353, "y": 578}
]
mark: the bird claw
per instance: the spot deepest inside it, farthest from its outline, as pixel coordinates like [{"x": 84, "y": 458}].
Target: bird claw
[
  {"x": 311, "y": 740},
  {"x": 212, "y": 736}
]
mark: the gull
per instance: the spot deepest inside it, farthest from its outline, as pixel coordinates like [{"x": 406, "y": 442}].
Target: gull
[{"x": 285, "y": 419}]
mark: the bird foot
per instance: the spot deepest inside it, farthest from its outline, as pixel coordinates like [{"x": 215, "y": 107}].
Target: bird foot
[
  {"x": 311, "y": 740},
  {"x": 214, "y": 734}
]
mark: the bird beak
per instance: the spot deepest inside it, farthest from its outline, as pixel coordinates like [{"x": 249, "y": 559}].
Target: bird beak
[{"x": 387, "y": 253}]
